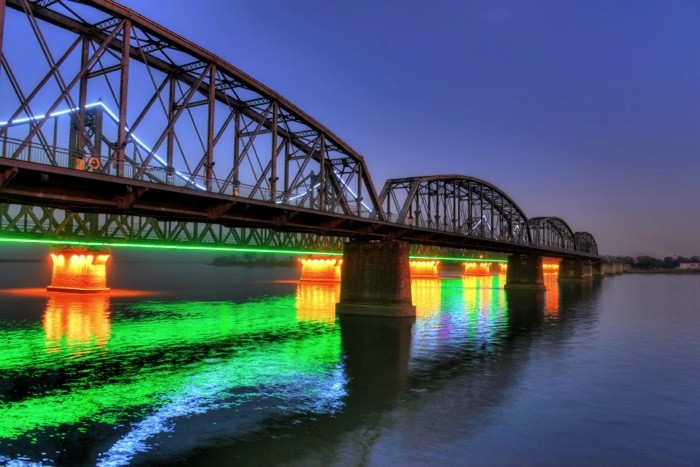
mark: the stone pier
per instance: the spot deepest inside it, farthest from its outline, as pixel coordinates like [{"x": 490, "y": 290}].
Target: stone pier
[
  {"x": 525, "y": 272},
  {"x": 575, "y": 270},
  {"x": 376, "y": 279},
  {"x": 321, "y": 269},
  {"x": 424, "y": 269},
  {"x": 78, "y": 270}
]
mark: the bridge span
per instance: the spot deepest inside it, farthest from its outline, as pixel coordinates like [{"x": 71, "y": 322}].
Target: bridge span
[{"x": 108, "y": 118}]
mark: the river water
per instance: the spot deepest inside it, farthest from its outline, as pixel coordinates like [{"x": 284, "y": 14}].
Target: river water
[{"x": 187, "y": 363}]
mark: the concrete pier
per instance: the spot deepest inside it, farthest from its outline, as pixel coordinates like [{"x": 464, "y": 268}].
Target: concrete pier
[
  {"x": 78, "y": 270},
  {"x": 575, "y": 270},
  {"x": 424, "y": 269},
  {"x": 376, "y": 279},
  {"x": 321, "y": 269},
  {"x": 525, "y": 272}
]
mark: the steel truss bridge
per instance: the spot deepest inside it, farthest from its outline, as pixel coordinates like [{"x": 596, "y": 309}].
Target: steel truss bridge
[{"x": 114, "y": 128}]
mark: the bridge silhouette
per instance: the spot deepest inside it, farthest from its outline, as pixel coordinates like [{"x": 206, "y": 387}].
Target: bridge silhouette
[{"x": 114, "y": 128}]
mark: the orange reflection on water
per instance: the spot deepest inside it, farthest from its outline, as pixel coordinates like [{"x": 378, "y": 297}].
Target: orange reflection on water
[
  {"x": 316, "y": 301},
  {"x": 42, "y": 292},
  {"x": 551, "y": 295},
  {"x": 426, "y": 296},
  {"x": 76, "y": 322}
]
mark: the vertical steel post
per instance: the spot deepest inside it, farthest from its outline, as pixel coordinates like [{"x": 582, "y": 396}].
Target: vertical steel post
[
  {"x": 123, "y": 97},
  {"x": 79, "y": 161},
  {"x": 2, "y": 30},
  {"x": 170, "y": 142},
  {"x": 236, "y": 152},
  {"x": 286, "y": 169},
  {"x": 211, "y": 102},
  {"x": 359, "y": 189},
  {"x": 273, "y": 161},
  {"x": 322, "y": 186}
]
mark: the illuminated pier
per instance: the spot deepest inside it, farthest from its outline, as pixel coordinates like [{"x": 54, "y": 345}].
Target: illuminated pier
[
  {"x": 423, "y": 269},
  {"x": 321, "y": 269},
  {"x": 80, "y": 270}
]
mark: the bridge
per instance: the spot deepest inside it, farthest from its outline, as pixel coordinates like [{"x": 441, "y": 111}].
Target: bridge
[{"x": 113, "y": 128}]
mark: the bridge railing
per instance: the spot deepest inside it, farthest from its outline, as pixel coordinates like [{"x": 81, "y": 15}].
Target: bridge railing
[{"x": 156, "y": 173}]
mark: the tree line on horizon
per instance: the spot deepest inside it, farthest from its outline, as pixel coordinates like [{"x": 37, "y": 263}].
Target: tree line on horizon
[{"x": 649, "y": 262}]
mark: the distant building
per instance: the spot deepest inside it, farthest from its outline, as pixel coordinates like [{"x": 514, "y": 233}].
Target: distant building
[{"x": 689, "y": 266}]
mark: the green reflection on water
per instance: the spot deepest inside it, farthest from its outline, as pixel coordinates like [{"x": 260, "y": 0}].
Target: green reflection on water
[{"x": 85, "y": 367}]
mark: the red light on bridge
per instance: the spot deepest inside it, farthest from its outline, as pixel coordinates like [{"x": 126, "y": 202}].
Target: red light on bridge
[{"x": 78, "y": 270}]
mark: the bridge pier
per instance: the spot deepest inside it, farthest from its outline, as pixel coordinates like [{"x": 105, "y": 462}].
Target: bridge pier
[
  {"x": 525, "y": 272},
  {"x": 423, "y": 269},
  {"x": 376, "y": 279},
  {"x": 78, "y": 270},
  {"x": 321, "y": 269},
  {"x": 477, "y": 269},
  {"x": 575, "y": 270}
]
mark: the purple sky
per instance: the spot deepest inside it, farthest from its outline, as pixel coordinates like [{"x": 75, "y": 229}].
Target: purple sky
[{"x": 586, "y": 110}]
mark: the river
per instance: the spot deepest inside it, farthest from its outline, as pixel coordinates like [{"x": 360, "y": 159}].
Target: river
[{"x": 192, "y": 364}]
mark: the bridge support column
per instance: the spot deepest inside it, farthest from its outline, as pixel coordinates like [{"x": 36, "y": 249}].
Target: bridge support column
[
  {"x": 78, "y": 270},
  {"x": 525, "y": 272},
  {"x": 597, "y": 270},
  {"x": 575, "y": 270},
  {"x": 376, "y": 279}
]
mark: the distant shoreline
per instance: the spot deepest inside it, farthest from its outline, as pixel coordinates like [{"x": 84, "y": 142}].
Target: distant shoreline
[
  {"x": 664, "y": 271},
  {"x": 6, "y": 260}
]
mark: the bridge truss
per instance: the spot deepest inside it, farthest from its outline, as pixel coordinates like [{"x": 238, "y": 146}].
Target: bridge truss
[
  {"x": 201, "y": 123},
  {"x": 456, "y": 203},
  {"x": 23, "y": 222},
  {"x": 114, "y": 127}
]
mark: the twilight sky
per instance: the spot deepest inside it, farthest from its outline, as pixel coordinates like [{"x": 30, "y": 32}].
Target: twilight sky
[{"x": 586, "y": 110}]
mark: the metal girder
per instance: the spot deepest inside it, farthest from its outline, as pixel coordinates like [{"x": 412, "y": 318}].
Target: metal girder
[
  {"x": 122, "y": 39},
  {"x": 27, "y": 222},
  {"x": 585, "y": 242},
  {"x": 455, "y": 203},
  {"x": 552, "y": 232},
  {"x": 122, "y": 102}
]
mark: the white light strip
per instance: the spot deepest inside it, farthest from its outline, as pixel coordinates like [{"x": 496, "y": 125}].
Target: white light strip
[
  {"x": 350, "y": 190},
  {"x": 114, "y": 118}
]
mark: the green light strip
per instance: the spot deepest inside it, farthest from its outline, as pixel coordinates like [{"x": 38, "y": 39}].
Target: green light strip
[
  {"x": 219, "y": 248},
  {"x": 166, "y": 246},
  {"x": 450, "y": 258}
]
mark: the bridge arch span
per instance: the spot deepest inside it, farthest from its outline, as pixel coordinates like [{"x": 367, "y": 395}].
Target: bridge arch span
[
  {"x": 149, "y": 105},
  {"x": 454, "y": 203},
  {"x": 585, "y": 242},
  {"x": 551, "y": 232}
]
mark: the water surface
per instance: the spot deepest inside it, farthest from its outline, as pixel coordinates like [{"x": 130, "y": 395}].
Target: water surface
[{"x": 186, "y": 363}]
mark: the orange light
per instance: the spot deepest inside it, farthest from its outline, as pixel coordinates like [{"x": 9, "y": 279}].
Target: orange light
[
  {"x": 77, "y": 322},
  {"x": 550, "y": 267},
  {"x": 423, "y": 268},
  {"x": 477, "y": 269},
  {"x": 551, "y": 295},
  {"x": 426, "y": 294},
  {"x": 321, "y": 269},
  {"x": 316, "y": 301},
  {"x": 82, "y": 272}
]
